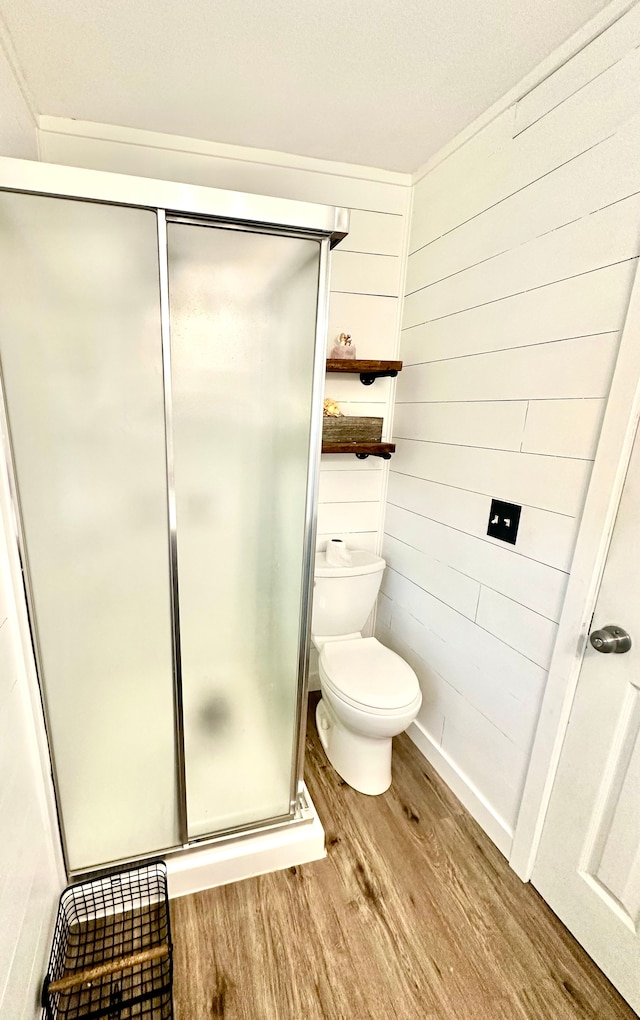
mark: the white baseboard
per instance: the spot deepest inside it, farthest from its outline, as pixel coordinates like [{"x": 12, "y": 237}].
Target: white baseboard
[
  {"x": 494, "y": 826},
  {"x": 246, "y": 857}
]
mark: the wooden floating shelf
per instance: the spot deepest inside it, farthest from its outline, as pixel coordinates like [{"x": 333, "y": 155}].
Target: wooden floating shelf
[
  {"x": 361, "y": 450},
  {"x": 367, "y": 370}
]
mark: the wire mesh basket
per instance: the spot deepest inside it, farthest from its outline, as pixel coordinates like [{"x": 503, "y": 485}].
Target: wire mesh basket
[{"x": 112, "y": 949}]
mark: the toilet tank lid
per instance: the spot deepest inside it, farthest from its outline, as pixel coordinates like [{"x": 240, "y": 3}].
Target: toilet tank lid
[{"x": 362, "y": 562}]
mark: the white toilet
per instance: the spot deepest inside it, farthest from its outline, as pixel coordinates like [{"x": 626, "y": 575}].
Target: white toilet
[{"x": 369, "y": 694}]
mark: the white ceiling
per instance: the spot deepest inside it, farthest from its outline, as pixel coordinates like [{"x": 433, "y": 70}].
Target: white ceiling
[{"x": 380, "y": 82}]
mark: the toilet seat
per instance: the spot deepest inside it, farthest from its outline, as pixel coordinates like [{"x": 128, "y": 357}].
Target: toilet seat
[{"x": 368, "y": 676}]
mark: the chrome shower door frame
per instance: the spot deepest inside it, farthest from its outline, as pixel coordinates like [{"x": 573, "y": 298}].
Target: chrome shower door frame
[{"x": 234, "y": 210}]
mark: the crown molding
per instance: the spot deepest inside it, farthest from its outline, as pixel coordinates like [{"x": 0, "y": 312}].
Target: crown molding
[{"x": 218, "y": 150}]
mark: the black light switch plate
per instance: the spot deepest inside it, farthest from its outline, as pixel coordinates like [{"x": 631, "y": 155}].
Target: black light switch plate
[{"x": 504, "y": 520}]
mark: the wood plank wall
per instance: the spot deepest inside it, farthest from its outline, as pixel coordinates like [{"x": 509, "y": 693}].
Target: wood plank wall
[
  {"x": 366, "y": 279},
  {"x": 366, "y": 273},
  {"x": 524, "y": 244}
]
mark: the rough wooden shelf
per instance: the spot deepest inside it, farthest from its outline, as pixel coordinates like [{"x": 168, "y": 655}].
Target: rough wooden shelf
[
  {"x": 361, "y": 450},
  {"x": 367, "y": 370}
]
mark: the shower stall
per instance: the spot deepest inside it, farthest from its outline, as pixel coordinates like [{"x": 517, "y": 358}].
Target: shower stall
[{"x": 162, "y": 350}]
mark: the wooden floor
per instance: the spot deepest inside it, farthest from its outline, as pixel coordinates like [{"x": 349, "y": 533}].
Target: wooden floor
[{"x": 414, "y": 916}]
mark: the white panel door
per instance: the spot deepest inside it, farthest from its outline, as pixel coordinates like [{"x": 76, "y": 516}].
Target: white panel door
[{"x": 588, "y": 865}]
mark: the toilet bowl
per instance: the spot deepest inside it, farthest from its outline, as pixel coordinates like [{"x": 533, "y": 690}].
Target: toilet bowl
[{"x": 369, "y": 693}]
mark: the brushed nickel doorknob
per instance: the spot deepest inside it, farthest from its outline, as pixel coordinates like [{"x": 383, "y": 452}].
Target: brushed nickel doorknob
[{"x": 610, "y": 639}]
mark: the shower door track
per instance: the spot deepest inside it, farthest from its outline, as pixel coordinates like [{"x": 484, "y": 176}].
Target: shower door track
[{"x": 281, "y": 823}]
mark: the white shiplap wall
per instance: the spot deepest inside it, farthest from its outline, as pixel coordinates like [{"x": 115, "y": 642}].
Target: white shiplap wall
[
  {"x": 30, "y": 876},
  {"x": 366, "y": 278},
  {"x": 366, "y": 273},
  {"x": 524, "y": 244},
  {"x": 29, "y": 880}
]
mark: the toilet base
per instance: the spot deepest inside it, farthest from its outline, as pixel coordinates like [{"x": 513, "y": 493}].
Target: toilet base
[{"x": 363, "y": 762}]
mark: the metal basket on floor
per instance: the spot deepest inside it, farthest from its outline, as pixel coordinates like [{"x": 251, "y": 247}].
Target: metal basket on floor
[{"x": 112, "y": 949}]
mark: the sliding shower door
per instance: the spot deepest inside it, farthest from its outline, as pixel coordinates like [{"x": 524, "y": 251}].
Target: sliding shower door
[
  {"x": 80, "y": 345},
  {"x": 243, "y": 323},
  {"x": 158, "y": 383}
]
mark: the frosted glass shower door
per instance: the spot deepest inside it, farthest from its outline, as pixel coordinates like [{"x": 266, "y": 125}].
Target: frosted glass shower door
[
  {"x": 243, "y": 322},
  {"x": 80, "y": 345}
]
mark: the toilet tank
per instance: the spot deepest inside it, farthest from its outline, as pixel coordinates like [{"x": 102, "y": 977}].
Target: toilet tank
[{"x": 343, "y": 596}]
